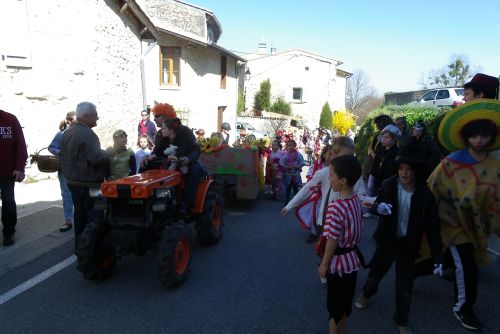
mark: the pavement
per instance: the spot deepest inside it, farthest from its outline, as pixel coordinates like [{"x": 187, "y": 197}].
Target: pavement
[{"x": 40, "y": 214}]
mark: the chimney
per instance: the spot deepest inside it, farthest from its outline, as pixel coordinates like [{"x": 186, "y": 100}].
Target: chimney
[{"x": 262, "y": 49}]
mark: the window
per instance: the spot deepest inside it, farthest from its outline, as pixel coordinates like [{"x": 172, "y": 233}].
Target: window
[
  {"x": 170, "y": 58},
  {"x": 442, "y": 94},
  {"x": 223, "y": 71},
  {"x": 430, "y": 95},
  {"x": 15, "y": 49},
  {"x": 297, "y": 94},
  {"x": 459, "y": 91}
]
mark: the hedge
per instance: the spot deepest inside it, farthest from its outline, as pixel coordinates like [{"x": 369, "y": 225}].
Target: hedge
[{"x": 431, "y": 116}]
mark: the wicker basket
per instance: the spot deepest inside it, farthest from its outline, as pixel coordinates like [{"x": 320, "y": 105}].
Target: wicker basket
[{"x": 45, "y": 163}]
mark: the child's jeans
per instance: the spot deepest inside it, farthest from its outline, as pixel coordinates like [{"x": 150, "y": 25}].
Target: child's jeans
[{"x": 291, "y": 182}]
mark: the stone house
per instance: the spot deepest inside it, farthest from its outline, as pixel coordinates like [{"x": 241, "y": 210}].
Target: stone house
[
  {"x": 303, "y": 79},
  {"x": 121, "y": 55}
]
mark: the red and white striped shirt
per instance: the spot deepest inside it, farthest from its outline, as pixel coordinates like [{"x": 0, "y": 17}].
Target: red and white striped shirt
[{"x": 344, "y": 222}]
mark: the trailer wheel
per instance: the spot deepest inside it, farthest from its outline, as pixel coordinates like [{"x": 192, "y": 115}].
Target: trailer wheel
[
  {"x": 174, "y": 255},
  {"x": 95, "y": 258}
]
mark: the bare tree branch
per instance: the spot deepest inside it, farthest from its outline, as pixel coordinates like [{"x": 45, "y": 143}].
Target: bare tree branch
[{"x": 360, "y": 95}]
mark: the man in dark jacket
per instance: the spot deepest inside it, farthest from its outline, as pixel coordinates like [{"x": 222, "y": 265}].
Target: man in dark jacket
[
  {"x": 14, "y": 155},
  {"x": 187, "y": 154},
  {"x": 407, "y": 209},
  {"x": 161, "y": 112},
  {"x": 84, "y": 165}
]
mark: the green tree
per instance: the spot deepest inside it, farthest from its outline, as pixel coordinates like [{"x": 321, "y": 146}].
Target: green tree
[
  {"x": 325, "y": 120},
  {"x": 241, "y": 101},
  {"x": 280, "y": 106},
  {"x": 263, "y": 96},
  {"x": 456, "y": 73}
]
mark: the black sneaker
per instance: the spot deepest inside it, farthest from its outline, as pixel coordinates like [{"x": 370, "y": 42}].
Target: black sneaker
[
  {"x": 8, "y": 240},
  {"x": 468, "y": 319}
]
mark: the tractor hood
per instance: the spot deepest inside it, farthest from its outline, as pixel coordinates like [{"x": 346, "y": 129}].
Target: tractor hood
[{"x": 141, "y": 185}]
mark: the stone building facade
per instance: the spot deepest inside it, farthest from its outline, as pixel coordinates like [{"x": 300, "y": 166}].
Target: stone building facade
[{"x": 57, "y": 53}]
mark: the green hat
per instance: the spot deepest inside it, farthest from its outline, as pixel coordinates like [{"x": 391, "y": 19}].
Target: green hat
[{"x": 451, "y": 126}]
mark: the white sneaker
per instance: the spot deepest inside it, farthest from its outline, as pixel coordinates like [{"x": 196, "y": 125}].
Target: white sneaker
[
  {"x": 404, "y": 330},
  {"x": 361, "y": 302}
]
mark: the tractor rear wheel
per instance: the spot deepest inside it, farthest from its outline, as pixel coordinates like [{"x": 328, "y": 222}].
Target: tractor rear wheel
[
  {"x": 95, "y": 258},
  {"x": 209, "y": 226},
  {"x": 174, "y": 255}
]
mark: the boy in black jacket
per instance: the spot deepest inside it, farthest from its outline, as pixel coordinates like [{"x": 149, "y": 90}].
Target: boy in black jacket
[{"x": 407, "y": 209}]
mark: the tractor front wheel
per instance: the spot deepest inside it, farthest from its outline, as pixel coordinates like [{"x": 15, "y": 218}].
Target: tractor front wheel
[
  {"x": 174, "y": 255},
  {"x": 95, "y": 258}
]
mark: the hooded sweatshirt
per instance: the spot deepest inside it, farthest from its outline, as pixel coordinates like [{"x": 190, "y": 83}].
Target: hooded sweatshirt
[{"x": 12, "y": 145}]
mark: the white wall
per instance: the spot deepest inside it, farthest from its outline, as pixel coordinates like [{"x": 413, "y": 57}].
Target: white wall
[
  {"x": 288, "y": 70},
  {"x": 199, "y": 91}
]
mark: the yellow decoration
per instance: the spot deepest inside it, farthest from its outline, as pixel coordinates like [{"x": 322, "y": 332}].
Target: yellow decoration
[{"x": 342, "y": 121}]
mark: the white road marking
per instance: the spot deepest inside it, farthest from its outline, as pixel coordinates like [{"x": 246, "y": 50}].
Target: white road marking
[{"x": 37, "y": 279}]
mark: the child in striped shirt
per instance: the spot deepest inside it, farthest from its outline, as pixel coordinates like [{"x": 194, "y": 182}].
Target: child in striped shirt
[{"x": 343, "y": 226}]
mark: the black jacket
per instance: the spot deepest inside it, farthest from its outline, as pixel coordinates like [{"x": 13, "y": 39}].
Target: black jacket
[
  {"x": 383, "y": 164},
  {"x": 423, "y": 217},
  {"x": 186, "y": 143}
]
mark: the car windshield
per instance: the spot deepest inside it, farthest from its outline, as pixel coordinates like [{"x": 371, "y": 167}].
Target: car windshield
[{"x": 459, "y": 91}]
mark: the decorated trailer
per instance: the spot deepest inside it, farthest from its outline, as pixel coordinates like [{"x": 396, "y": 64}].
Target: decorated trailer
[{"x": 235, "y": 166}]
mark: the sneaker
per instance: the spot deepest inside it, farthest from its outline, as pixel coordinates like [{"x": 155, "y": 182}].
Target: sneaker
[
  {"x": 361, "y": 302},
  {"x": 468, "y": 319},
  {"x": 368, "y": 215},
  {"x": 404, "y": 329},
  {"x": 8, "y": 240},
  {"x": 65, "y": 227}
]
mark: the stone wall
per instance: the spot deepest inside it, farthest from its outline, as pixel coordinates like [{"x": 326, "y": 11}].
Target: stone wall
[
  {"x": 175, "y": 16},
  {"x": 81, "y": 51},
  {"x": 404, "y": 97}
]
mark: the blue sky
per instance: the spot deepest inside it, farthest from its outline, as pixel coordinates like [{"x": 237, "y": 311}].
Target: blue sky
[{"x": 393, "y": 41}]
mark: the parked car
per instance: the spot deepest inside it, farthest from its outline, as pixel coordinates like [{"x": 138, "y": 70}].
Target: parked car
[
  {"x": 442, "y": 97},
  {"x": 245, "y": 130}
]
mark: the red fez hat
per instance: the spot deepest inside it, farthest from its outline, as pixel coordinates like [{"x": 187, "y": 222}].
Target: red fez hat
[{"x": 486, "y": 83}]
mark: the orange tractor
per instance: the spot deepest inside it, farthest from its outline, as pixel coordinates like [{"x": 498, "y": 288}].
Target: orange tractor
[{"x": 140, "y": 214}]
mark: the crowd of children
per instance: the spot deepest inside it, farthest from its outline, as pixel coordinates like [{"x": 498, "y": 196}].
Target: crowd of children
[{"x": 435, "y": 213}]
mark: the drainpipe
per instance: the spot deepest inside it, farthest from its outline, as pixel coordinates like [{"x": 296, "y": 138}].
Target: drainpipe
[{"x": 143, "y": 75}]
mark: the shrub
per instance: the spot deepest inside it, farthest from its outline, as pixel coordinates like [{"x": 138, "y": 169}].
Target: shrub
[
  {"x": 325, "y": 120},
  {"x": 431, "y": 116},
  {"x": 280, "y": 106},
  {"x": 241, "y": 101},
  {"x": 343, "y": 121},
  {"x": 263, "y": 96}
]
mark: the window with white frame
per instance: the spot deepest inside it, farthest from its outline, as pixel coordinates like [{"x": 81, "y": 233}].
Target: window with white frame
[
  {"x": 15, "y": 49},
  {"x": 297, "y": 94},
  {"x": 170, "y": 58}
]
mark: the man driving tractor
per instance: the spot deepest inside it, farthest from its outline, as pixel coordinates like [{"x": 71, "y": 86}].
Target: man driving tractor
[{"x": 186, "y": 153}]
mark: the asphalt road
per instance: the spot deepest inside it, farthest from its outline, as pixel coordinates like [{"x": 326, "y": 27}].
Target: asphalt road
[{"x": 260, "y": 278}]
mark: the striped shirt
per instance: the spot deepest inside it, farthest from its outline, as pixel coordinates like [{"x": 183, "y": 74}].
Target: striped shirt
[{"x": 344, "y": 222}]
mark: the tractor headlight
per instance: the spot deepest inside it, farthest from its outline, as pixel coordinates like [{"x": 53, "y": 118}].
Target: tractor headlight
[
  {"x": 163, "y": 193},
  {"x": 95, "y": 192}
]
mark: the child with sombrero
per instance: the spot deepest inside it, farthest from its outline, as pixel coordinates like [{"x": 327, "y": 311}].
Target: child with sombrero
[{"x": 466, "y": 187}]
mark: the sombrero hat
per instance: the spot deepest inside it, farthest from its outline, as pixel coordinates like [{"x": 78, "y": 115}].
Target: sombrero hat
[{"x": 452, "y": 124}]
